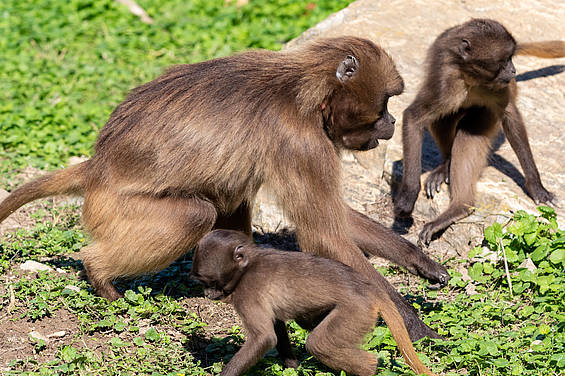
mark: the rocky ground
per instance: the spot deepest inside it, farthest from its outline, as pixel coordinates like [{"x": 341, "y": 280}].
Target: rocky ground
[{"x": 406, "y": 29}]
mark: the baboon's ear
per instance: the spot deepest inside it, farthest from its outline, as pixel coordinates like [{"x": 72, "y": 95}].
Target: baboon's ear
[
  {"x": 465, "y": 48},
  {"x": 347, "y": 68},
  {"x": 240, "y": 256}
]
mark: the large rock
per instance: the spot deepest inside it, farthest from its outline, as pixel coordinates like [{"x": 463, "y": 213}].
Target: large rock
[{"x": 406, "y": 28}]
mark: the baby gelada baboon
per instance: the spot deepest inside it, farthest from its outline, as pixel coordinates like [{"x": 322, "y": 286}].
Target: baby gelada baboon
[
  {"x": 268, "y": 287},
  {"x": 188, "y": 151},
  {"x": 469, "y": 92}
]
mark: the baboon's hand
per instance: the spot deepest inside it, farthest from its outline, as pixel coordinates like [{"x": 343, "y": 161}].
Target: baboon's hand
[{"x": 434, "y": 272}]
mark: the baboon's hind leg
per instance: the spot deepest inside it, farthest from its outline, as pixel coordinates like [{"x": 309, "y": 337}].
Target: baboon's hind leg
[
  {"x": 336, "y": 341},
  {"x": 133, "y": 235},
  {"x": 470, "y": 150}
]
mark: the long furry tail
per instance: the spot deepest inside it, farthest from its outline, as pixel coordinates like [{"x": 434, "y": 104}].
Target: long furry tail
[
  {"x": 549, "y": 49},
  {"x": 396, "y": 325},
  {"x": 70, "y": 180}
]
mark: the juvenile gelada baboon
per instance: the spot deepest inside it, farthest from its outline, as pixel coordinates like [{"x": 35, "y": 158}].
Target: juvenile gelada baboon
[
  {"x": 268, "y": 287},
  {"x": 187, "y": 153},
  {"x": 469, "y": 91}
]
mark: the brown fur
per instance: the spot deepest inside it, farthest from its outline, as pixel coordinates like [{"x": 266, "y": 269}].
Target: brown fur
[
  {"x": 188, "y": 151},
  {"x": 270, "y": 287},
  {"x": 468, "y": 93}
]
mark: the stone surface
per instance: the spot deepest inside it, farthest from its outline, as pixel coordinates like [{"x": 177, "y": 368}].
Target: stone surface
[
  {"x": 34, "y": 266},
  {"x": 470, "y": 289},
  {"x": 72, "y": 288},
  {"x": 58, "y": 334},
  {"x": 3, "y": 194},
  {"x": 528, "y": 264},
  {"x": 76, "y": 160},
  {"x": 38, "y": 336},
  {"x": 406, "y": 28}
]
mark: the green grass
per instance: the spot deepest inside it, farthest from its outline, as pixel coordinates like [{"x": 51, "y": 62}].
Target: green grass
[{"x": 66, "y": 64}]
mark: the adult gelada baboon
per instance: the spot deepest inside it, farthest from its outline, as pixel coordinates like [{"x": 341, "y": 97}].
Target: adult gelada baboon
[
  {"x": 469, "y": 91},
  {"x": 270, "y": 287},
  {"x": 187, "y": 152}
]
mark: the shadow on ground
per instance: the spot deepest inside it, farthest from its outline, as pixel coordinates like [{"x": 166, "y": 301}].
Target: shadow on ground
[{"x": 551, "y": 70}]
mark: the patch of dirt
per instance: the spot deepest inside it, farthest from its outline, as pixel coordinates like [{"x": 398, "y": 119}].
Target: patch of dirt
[
  {"x": 15, "y": 341},
  {"x": 60, "y": 329},
  {"x": 216, "y": 340},
  {"x": 219, "y": 317}
]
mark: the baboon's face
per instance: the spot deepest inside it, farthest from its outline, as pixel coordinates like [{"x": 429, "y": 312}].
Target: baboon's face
[
  {"x": 487, "y": 58},
  {"x": 218, "y": 260},
  {"x": 357, "y": 114}
]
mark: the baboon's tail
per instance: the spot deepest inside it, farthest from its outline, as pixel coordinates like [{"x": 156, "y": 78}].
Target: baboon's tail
[
  {"x": 70, "y": 180},
  {"x": 548, "y": 49},
  {"x": 396, "y": 325}
]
